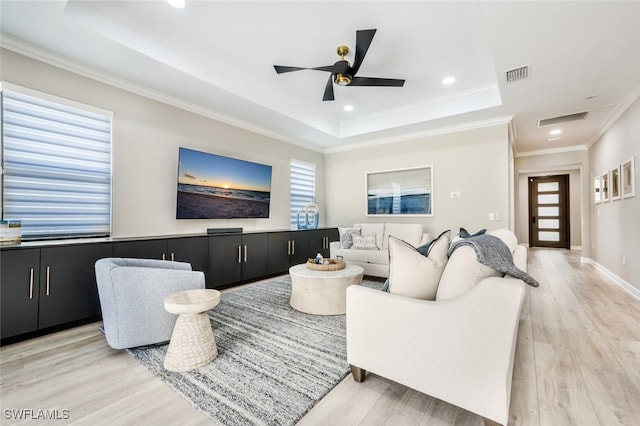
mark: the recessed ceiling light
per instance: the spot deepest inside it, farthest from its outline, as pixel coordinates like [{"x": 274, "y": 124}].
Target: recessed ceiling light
[
  {"x": 348, "y": 107},
  {"x": 177, "y": 3},
  {"x": 448, "y": 80},
  {"x": 555, "y": 132}
]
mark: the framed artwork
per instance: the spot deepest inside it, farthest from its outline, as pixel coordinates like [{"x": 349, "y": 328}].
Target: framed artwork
[
  {"x": 596, "y": 190},
  {"x": 604, "y": 186},
  {"x": 627, "y": 175},
  {"x": 615, "y": 183},
  {"x": 405, "y": 192}
]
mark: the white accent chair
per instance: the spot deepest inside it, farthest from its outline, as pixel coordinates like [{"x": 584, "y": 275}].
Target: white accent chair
[
  {"x": 460, "y": 349},
  {"x": 132, "y": 293}
]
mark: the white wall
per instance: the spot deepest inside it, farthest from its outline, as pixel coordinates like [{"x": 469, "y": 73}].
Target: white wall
[
  {"x": 146, "y": 137},
  {"x": 575, "y": 164},
  {"x": 473, "y": 162},
  {"x": 615, "y": 225}
]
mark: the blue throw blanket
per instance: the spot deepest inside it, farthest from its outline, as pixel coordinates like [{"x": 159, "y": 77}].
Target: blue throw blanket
[{"x": 494, "y": 253}]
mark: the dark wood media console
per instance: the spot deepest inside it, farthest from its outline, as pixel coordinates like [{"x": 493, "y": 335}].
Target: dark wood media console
[{"x": 46, "y": 286}]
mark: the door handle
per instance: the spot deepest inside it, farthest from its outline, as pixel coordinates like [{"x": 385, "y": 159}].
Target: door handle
[
  {"x": 48, "y": 278},
  {"x": 245, "y": 253},
  {"x": 289, "y": 248},
  {"x": 239, "y": 254},
  {"x": 31, "y": 284}
]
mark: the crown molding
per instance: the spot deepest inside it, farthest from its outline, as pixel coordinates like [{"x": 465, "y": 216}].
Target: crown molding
[
  {"x": 504, "y": 120},
  {"x": 615, "y": 115},
  {"x": 575, "y": 148}
]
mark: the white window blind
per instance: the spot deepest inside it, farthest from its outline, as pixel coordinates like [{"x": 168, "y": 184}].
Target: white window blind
[
  {"x": 303, "y": 188},
  {"x": 56, "y": 159}
]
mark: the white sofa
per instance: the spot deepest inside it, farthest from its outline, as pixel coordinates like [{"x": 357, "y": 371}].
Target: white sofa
[
  {"x": 459, "y": 348},
  {"x": 376, "y": 262}
]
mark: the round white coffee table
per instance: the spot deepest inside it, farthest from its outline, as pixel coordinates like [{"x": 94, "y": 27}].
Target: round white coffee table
[
  {"x": 322, "y": 292},
  {"x": 192, "y": 343}
]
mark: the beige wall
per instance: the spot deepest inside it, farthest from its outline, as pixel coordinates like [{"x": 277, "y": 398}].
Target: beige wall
[
  {"x": 615, "y": 225},
  {"x": 146, "y": 137},
  {"x": 575, "y": 164},
  {"x": 473, "y": 162}
]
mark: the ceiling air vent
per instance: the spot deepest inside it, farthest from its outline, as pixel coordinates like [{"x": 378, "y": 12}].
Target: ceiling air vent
[
  {"x": 519, "y": 73},
  {"x": 562, "y": 119}
]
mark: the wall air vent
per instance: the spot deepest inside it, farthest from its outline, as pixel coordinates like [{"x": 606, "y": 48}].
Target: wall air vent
[
  {"x": 562, "y": 119},
  {"x": 519, "y": 73}
]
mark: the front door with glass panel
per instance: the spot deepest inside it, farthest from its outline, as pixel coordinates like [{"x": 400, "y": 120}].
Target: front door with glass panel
[{"x": 549, "y": 211}]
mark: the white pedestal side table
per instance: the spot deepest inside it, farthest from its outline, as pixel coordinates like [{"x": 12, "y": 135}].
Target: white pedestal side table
[
  {"x": 322, "y": 292},
  {"x": 192, "y": 343}
]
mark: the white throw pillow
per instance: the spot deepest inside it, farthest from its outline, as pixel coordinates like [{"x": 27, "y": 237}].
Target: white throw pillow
[
  {"x": 366, "y": 242},
  {"x": 370, "y": 228},
  {"x": 413, "y": 275},
  {"x": 463, "y": 271}
]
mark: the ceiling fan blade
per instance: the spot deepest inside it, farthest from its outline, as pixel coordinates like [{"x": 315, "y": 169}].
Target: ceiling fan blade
[
  {"x": 363, "y": 41},
  {"x": 328, "y": 90},
  {"x": 283, "y": 68},
  {"x": 373, "y": 81},
  {"x": 329, "y": 68}
]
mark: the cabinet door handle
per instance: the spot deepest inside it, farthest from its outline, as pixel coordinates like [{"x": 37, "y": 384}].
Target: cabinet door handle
[
  {"x": 164, "y": 257},
  {"x": 293, "y": 246},
  {"x": 173, "y": 257},
  {"x": 48, "y": 278},
  {"x": 239, "y": 254},
  {"x": 31, "y": 284},
  {"x": 245, "y": 253},
  {"x": 289, "y": 248}
]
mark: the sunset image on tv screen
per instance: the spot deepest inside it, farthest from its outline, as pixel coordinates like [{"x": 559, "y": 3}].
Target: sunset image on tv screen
[{"x": 212, "y": 186}]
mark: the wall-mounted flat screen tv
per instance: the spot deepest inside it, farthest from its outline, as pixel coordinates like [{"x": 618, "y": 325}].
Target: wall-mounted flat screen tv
[{"x": 211, "y": 186}]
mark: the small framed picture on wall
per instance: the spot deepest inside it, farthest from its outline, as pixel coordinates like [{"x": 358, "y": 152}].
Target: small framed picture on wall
[
  {"x": 604, "y": 186},
  {"x": 627, "y": 175},
  {"x": 615, "y": 183}
]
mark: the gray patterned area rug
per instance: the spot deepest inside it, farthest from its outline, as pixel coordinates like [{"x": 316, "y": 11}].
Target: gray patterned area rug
[{"x": 274, "y": 363}]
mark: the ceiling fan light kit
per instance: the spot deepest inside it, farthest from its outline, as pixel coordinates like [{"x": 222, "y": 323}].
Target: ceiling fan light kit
[{"x": 343, "y": 73}]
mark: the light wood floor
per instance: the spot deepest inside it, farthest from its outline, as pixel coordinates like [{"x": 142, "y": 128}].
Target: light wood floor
[{"x": 577, "y": 363}]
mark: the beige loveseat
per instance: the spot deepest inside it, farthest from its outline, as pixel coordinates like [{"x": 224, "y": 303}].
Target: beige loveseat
[
  {"x": 375, "y": 260},
  {"x": 458, "y": 347}
]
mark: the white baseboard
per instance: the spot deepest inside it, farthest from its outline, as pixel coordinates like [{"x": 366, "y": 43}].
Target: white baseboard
[{"x": 634, "y": 291}]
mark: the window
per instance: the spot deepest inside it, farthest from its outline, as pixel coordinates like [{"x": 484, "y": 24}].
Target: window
[
  {"x": 56, "y": 158},
  {"x": 303, "y": 188}
]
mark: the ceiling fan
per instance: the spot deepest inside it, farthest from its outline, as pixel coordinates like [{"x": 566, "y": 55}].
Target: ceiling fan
[{"x": 343, "y": 73}]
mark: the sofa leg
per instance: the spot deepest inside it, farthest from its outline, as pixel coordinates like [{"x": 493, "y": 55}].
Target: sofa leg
[
  {"x": 357, "y": 373},
  {"x": 488, "y": 422}
]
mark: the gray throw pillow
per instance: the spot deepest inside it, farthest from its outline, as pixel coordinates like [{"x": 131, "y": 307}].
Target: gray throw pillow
[{"x": 346, "y": 239}]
